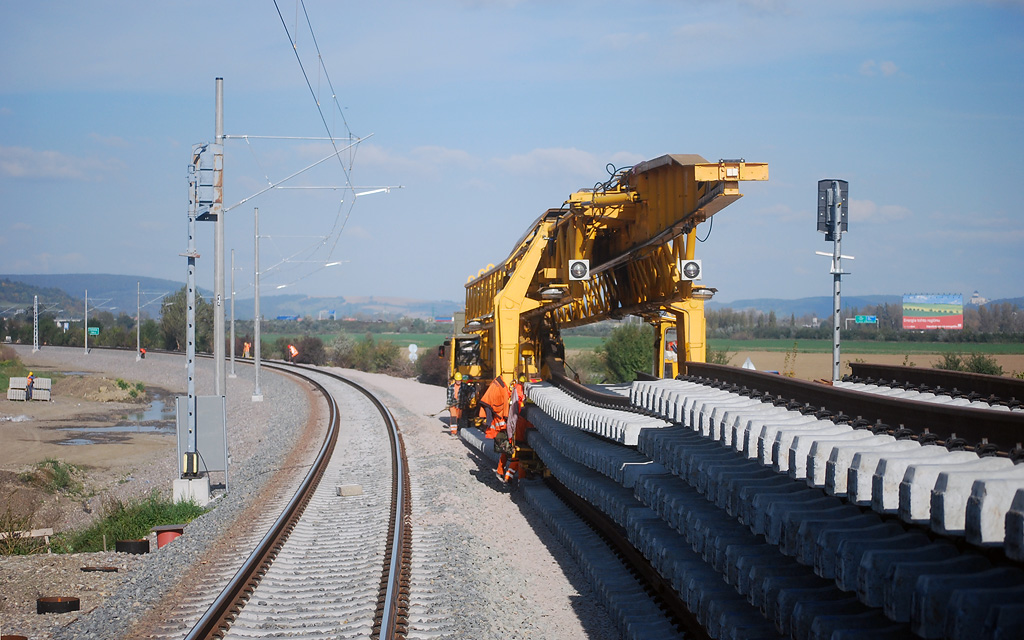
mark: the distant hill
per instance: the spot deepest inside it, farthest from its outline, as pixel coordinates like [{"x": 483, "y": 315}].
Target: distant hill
[
  {"x": 820, "y": 306},
  {"x": 362, "y": 307},
  {"x": 114, "y": 293},
  {"x": 17, "y": 296},
  {"x": 117, "y": 294},
  {"x": 1017, "y": 302}
]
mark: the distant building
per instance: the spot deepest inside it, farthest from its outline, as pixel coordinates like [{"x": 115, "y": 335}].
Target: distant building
[{"x": 977, "y": 299}]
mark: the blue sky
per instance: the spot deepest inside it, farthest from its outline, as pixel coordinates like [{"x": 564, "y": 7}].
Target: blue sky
[{"x": 489, "y": 112}]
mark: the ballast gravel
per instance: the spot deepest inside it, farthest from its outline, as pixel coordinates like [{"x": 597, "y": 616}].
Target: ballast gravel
[
  {"x": 487, "y": 566},
  {"x": 260, "y": 435}
]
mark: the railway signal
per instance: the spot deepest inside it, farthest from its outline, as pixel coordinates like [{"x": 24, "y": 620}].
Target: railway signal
[{"x": 833, "y": 206}]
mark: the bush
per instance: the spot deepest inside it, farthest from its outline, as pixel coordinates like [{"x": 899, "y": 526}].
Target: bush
[
  {"x": 971, "y": 363},
  {"x": 432, "y": 370},
  {"x": 589, "y": 366},
  {"x": 629, "y": 348},
  {"x": 127, "y": 522},
  {"x": 311, "y": 351},
  {"x": 55, "y": 476}
]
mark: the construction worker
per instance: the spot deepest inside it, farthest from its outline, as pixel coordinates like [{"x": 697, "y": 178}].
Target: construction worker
[
  {"x": 30, "y": 383},
  {"x": 142, "y": 353},
  {"x": 245, "y": 349},
  {"x": 494, "y": 404},
  {"x": 454, "y": 406},
  {"x": 514, "y": 430},
  {"x": 292, "y": 353}
]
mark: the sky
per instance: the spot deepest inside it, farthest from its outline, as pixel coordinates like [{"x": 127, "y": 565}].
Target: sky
[{"x": 481, "y": 114}]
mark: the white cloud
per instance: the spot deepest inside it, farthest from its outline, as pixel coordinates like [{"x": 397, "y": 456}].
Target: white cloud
[
  {"x": 22, "y": 162},
  {"x": 884, "y": 67},
  {"x": 868, "y": 211},
  {"x": 570, "y": 161},
  {"x": 426, "y": 159}
]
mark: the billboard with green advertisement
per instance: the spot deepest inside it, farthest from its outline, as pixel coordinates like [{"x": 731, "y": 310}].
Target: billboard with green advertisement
[{"x": 933, "y": 311}]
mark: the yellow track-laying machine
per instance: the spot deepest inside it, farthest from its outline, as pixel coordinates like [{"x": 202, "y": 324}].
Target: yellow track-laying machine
[{"x": 624, "y": 247}]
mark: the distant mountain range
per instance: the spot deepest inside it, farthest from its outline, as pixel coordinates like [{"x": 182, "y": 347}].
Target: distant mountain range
[{"x": 117, "y": 294}]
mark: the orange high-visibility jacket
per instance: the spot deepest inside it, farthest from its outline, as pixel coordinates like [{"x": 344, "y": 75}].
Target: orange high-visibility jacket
[{"x": 497, "y": 397}]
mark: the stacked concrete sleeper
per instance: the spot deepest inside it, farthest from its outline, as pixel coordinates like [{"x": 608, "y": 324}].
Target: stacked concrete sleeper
[{"x": 769, "y": 522}]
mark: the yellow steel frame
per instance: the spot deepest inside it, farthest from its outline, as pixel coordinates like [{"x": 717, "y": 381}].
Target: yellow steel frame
[{"x": 634, "y": 230}]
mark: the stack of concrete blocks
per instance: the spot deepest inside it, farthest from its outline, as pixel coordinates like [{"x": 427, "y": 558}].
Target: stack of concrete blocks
[{"x": 40, "y": 390}]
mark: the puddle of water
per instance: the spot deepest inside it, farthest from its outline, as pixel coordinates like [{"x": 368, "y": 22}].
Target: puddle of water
[
  {"x": 77, "y": 441},
  {"x": 122, "y": 428},
  {"x": 161, "y": 409},
  {"x": 159, "y": 417}
]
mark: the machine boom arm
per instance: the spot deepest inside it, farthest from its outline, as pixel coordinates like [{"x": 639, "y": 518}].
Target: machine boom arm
[{"x": 633, "y": 231}]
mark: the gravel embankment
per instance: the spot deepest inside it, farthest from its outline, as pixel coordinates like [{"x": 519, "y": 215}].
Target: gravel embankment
[
  {"x": 495, "y": 570},
  {"x": 260, "y": 435}
]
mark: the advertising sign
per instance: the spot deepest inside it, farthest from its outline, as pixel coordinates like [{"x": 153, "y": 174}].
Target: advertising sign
[{"x": 933, "y": 311}]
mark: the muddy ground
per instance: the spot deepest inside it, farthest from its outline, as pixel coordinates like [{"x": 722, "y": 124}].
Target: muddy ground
[{"x": 114, "y": 441}]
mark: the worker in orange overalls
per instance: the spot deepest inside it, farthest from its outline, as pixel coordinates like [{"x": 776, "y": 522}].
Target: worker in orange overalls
[
  {"x": 494, "y": 405},
  {"x": 454, "y": 395},
  {"x": 292, "y": 353},
  {"x": 245, "y": 349},
  {"x": 30, "y": 385},
  {"x": 515, "y": 431}
]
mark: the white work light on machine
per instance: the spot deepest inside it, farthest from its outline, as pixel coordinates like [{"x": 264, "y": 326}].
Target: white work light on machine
[
  {"x": 690, "y": 270},
  {"x": 579, "y": 269}
]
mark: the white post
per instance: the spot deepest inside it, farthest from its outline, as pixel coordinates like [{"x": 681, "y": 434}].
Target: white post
[
  {"x": 35, "y": 324},
  {"x": 86, "y": 322},
  {"x": 257, "y": 393},
  {"x": 217, "y": 211},
  {"x": 138, "y": 321},
  {"x": 232, "y": 374}
]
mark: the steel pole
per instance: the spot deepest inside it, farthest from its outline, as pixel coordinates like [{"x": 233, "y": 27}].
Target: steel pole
[
  {"x": 190, "y": 336},
  {"x": 138, "y": 320},
  {"x": 35, "y": 324},
  {"x": 218, "y": 252},
  {"x": 232, "y": 339},
  {"x": 257, "y": 394},
  {"x": 837, "y": 274},
  {"x": 86, "y": 322}
]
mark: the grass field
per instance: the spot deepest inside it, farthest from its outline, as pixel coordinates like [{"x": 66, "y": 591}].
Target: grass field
[
  {"x": 578, "y": 343},
  {"x": 869, "y": 346}
]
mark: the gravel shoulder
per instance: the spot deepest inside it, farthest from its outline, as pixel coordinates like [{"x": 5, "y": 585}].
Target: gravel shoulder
[
  {"x": 506, "y": 576},
  {"x": 260, "y": 435}
]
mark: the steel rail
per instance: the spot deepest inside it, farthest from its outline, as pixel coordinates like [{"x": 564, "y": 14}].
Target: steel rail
[
  {"x": 391, "y": 619},
  {"x": 1002, "y": 429},
  {"x": 217, "y": 619},
  {"x": 1003, "y": 388}
]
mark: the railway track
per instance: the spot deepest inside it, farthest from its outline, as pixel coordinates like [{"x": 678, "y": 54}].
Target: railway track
[
  {"x": 335, "y": 562},
  {"x": 790, "y": 518}
]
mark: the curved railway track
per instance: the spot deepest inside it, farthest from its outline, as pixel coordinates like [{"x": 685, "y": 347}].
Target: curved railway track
[
  {"x": 788, "y": 517},
  {"x": 292, "y": 597}
]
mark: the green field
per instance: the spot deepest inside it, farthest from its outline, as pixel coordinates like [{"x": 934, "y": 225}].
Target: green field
[
  {"x": 869, "y": 346},
  {"x": 589, "y": 343}
]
